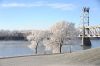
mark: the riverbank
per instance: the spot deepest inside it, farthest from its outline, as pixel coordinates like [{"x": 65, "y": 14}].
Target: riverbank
[{"x": 89, "y": 57}]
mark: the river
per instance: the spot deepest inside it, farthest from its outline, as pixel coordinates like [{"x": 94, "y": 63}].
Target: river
[{"x": 20, "y": 48}]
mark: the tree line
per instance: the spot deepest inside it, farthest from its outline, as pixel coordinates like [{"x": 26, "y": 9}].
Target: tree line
[{"x": 11, "y": 35}]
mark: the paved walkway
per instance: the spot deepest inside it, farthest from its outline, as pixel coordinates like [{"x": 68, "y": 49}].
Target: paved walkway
[{"x": 89, "y": 57}]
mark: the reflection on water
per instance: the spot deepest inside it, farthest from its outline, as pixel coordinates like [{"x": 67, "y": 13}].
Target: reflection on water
[
  {"x": 19, "y": 48},
  {"x": 86, "y": 47}
]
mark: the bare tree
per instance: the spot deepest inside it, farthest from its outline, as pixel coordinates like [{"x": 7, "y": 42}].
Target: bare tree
[
  {"x": 63, "y": 32},
  {"x": 37, "y": 37},
  {"x": 59, "y": 34}
]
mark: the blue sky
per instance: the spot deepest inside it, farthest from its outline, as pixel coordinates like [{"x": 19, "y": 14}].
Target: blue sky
[{"x": 41, "y": 14}]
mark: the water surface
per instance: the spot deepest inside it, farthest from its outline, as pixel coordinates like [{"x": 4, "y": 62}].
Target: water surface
[{"x": 20, "y": 48}]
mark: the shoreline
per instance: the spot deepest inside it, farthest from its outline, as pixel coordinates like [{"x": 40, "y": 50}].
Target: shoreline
[{"x": 90, "y": 57}]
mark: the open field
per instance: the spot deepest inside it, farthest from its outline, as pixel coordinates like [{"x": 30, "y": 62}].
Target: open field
[{"x": 89, "y": 57}]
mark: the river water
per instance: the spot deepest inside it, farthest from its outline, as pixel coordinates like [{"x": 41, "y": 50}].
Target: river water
[{"x": 20, "y": 48}]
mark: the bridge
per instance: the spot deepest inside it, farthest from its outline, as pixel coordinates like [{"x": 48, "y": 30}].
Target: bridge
[
  {"x": 91, "y": 31},
  {"x": 86, "y": 30}
]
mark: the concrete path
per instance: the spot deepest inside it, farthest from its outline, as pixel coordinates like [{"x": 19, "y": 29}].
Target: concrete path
[{"x": 89, "y": 57}]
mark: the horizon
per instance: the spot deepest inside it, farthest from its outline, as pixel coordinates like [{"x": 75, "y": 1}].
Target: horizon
[{"x": 40, "y": 14}]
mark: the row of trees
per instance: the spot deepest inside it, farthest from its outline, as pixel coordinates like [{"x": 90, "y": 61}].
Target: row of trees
[
  {"x": 59, "y": 34},
  {"x": 11, "y": 35}
]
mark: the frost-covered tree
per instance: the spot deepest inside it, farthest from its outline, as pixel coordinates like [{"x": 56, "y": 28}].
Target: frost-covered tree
[
  {"x": 60, "y": 33},
  {"x": 37, "y": 37},
  {"x": 63, "y": 32}
]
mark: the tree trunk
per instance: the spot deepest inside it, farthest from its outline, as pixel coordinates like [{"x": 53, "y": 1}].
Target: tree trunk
[
  {"x": 60, "y": 47},
  {"x": 36, "y": 48},
  {"x": 70, "y": 49}
]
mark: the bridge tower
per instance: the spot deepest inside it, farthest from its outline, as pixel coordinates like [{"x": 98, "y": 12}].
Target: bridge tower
[
  {"x": 85, "y": 19},
  {"x": 85, "y": 22}
]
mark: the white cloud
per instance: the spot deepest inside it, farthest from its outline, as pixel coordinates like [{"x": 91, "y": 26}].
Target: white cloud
[
  {"x": 21, "y": 5},
  {"x": 12, "y": 5},
  {"x": 62, "y": 6}
]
